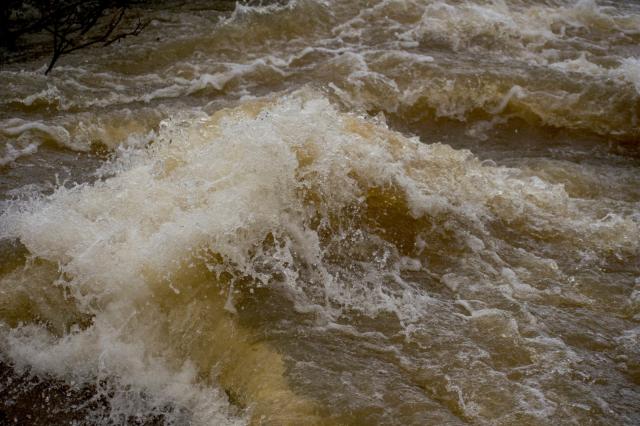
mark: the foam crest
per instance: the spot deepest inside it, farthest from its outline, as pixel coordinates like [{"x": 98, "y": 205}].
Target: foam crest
[
  {"x": 229, "y": 181},
  {"x": 17, "y": 128},
  {"x": 522, "y": 28}
]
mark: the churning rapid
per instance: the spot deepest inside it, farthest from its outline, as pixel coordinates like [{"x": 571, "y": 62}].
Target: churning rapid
[{"x": 327, "y": 212}]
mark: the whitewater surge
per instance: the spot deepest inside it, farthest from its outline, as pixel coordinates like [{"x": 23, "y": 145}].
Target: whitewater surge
[{"x": 327, "y": 212}]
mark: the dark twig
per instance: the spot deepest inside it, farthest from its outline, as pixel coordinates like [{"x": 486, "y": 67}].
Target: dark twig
[{"x": 72, "y": 24}]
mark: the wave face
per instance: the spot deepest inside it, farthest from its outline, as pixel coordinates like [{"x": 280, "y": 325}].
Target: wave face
[{"x": 387, "y": 212}]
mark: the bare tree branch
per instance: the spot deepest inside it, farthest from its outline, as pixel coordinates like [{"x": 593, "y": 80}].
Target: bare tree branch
[{"x": 72, "y": 24}]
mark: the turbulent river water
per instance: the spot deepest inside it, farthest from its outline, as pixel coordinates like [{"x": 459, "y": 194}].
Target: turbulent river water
[{"x": 327, "y": 212}]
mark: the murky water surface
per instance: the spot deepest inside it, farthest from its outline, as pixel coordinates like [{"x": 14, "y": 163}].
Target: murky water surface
[{"x": 327, "y": 212}]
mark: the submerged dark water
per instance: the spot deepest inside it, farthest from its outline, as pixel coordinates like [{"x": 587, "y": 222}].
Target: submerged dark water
[{"x": 374, "y": 212}]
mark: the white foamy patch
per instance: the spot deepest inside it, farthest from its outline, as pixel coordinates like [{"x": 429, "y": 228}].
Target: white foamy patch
[
  {"x": 581, "y": 65},
  {"x": 630, "y": 70},
  {"x": 50, "y": 95},
  {"x": 520, "y": 29},
  {"x": 135, "y": 383},
  {"x": 12, "y": 153},
  {"x": 16, "y": 127},
  {"x": 244, "y": 11},
  {"x": 28, "y": 135},
  {"x": 216, "y": 81}
]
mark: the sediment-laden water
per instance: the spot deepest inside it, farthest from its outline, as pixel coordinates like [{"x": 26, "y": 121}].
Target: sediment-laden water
[{"x": 327, "y": 212}]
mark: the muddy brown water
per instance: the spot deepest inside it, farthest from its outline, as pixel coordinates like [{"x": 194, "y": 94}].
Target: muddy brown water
[{"x": 327, "y": 212}]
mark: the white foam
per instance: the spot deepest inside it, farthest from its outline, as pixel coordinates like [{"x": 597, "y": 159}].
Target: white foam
[
  {"x": 16, "y": 127},
  {"x": 11, "y": 153}
]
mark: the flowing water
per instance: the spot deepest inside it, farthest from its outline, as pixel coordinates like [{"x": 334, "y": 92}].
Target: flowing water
[{"x": 327, "y": 212}]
